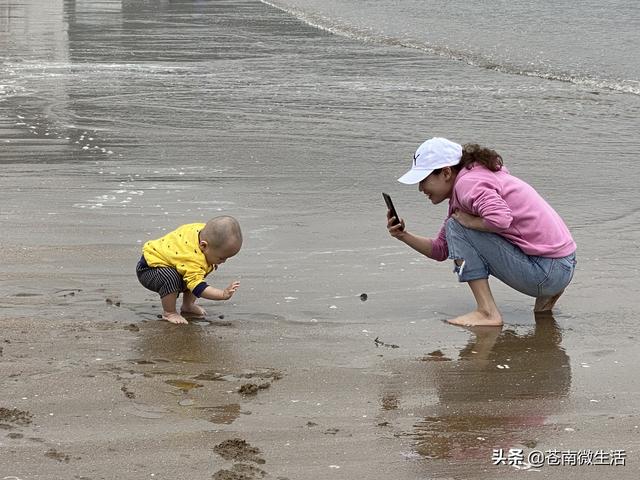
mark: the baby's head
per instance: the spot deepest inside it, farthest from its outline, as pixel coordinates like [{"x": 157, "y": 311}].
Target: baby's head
[{"x": 220, "y": 239}]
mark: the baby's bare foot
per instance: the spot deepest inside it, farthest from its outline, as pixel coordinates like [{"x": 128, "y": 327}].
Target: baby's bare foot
[
  {"x": 193, "y": 311},
  {"x": 173, "y": 317},
  {"x": 478, "y": 319}
]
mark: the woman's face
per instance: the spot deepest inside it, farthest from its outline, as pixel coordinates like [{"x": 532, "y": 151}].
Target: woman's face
[{"x": 438, "y": 187}]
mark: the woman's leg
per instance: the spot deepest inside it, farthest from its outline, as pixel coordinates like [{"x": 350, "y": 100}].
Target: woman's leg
[
  {"x": 545, "y": 303},
  {"x": 480, "y": 254},
  {"x": 486, "y": 313}
]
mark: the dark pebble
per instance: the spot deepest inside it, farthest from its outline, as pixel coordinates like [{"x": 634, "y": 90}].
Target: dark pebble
[{"x": 364, "y": 297}]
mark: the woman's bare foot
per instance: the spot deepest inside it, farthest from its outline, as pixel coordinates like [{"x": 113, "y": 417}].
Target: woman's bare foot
[
  {"x": 193, "y": 310},
  {"x": 546, "y": 304},
  {"x": 478, "y": 319},
  {"x": 173, "y": 317}
]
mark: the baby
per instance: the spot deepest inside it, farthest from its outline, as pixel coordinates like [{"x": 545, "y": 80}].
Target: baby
[{"x": 180, "y": 261}]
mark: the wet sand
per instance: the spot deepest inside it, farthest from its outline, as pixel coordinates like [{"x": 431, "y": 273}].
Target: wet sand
[
  {"x": 284, "y": 381},
  {"x": 94, "y": 386},
  {"x": 299, "y": 376}
]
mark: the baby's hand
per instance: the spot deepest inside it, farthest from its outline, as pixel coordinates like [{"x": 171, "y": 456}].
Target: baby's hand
[{"x": 230, "y": 290}]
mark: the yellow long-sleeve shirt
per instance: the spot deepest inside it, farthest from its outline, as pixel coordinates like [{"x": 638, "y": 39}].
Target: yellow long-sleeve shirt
[{"x": 180, "y": 249}]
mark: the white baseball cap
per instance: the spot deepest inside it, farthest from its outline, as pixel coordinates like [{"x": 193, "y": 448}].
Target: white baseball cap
[{"x": 433, "y": 154}]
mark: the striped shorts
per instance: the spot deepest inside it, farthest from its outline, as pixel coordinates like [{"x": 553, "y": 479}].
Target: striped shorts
[{"x": 162, "y": 280}]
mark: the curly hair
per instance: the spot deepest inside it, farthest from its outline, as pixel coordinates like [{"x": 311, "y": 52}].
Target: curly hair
[{"x": 474, "y": 153}]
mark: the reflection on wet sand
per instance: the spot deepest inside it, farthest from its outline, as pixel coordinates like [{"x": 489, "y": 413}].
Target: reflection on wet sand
[
  {"x": 190, "y": 344},
  {"x": 499, "y": 393},
  {"x": 201, "y": 369},
  {"x": 192, "y": 361}
]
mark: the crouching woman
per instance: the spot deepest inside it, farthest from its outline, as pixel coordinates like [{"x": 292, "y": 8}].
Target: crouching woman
[{"x": 497, "y": 225}]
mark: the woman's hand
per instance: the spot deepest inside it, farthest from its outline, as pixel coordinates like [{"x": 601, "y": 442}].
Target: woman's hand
[
  {"x": 397, "y": 230},
  {"x": 470, "y": 221}
]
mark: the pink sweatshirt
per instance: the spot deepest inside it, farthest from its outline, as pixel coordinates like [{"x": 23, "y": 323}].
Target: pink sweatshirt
[{"x": 511, "y": 208}]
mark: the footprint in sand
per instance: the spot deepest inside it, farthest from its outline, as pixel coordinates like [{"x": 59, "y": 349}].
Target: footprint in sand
[
  {"x": 56, "y": 455},
  {"x": 238, "y": 449},
  {"x": 240, "y": 471}
]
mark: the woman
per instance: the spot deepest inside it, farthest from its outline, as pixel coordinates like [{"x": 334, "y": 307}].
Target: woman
[{"x": 497, "y": 225}]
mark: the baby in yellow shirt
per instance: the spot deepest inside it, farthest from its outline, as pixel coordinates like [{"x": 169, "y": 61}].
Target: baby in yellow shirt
[{"x": 180, "y": 261}]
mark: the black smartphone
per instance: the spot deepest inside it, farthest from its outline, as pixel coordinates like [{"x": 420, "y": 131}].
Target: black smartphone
[{"x": 387, "y": 200}]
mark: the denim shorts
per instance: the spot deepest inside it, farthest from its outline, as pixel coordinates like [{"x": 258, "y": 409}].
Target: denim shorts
[{"x": 487, "y": 253}]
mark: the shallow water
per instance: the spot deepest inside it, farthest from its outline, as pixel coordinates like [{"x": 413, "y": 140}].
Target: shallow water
[{"x": 589, "y": 43}]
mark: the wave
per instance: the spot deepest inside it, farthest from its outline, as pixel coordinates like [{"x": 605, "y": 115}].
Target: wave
[{"x": 471, "y": 58}]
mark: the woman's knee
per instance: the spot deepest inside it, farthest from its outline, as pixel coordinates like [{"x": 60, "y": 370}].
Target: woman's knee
[{"x": 456, "y": 235}]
